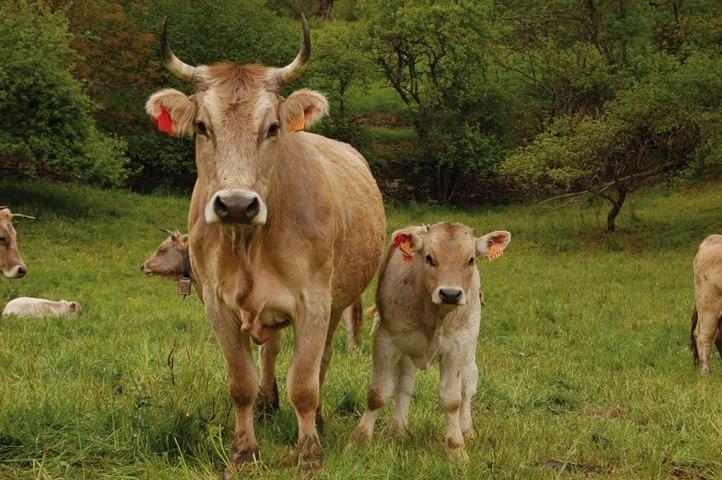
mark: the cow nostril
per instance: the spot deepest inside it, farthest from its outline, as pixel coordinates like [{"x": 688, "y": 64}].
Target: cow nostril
[
  {"x": 22, "y": 271},
  {"x": 220, "y": 208},
  {"x": 450, "y": 295},
  {"x": 253, "y": 208}
]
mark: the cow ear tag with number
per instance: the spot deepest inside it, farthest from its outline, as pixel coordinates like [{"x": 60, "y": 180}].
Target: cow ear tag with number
[
  {"x": 403, "y": 242},
  {"x": 494, "y": 251}
]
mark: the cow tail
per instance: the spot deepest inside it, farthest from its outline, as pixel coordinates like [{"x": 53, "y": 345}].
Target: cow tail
[
  {"x": 693, "y": 342},
  {"x": 357, "y": 321}
]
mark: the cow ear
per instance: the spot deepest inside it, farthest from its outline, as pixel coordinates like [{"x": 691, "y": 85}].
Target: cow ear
[
  {"x": 172, "y": 112},
  {"x": 493, "y": 244},
  {"x": 302, "y": 109},
  {"x": 411, "y": 239}
]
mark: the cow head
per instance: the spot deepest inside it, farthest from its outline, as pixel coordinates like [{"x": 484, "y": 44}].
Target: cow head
[
  {"x": 445, "y": 255},
  {"x": 11, "y": 262},
  {"x": 171, "y": 260},
  {"x": 242, "y": 127}
]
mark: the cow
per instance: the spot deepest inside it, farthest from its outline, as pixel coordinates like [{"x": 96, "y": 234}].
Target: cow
[
  {"x": 11, "y": 262},
  {"x": 286, "y": 227},
  {"x": 27, "y": 307},
  {"x": 707, "y": 312},
  {"x": 429, "y": 310}
]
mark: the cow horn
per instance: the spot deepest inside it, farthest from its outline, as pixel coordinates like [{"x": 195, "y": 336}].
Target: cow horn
[
  {"x": 3, "y": 207},
  {"x": 20, "y": 215},
  {"x": 167, "y": 232},
  {"x": 181, "y": 70},
  {"x": 289, "y": 73}
]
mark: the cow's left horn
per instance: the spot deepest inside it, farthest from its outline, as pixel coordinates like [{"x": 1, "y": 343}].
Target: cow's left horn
[
  {"x": 182, "y": 70},
  {"x": 20, "y": 215},
  {"x": 289, "y": 73}
]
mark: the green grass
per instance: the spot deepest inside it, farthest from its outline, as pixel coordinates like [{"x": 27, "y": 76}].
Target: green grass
[
  {"x": 583, "y": 355},
  {"x": 377, "y": 98}
]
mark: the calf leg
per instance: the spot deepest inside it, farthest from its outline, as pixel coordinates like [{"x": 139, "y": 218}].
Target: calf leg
[
  {"x": 450, "y": 399},
  {"x": 704, "y": 334},
  {"x": 304, "y": 379},
  {"x": 469, "y": 380},
  {"x": 385, "y": 358},
  {"x": 267, "y": 401},
  {"x": 405, "y": 383}
]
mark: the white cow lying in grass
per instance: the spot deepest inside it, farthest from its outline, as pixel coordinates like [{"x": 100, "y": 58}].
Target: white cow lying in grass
[
  {"x": 429, "y": 309},
  {"x": 37, "y": 307}
]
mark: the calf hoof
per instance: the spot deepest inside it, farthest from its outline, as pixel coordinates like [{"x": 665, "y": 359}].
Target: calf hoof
[
  {"x": 309, "y": 453},
  {"x": 705, "y": 370},
  {"x": 358, "y": 437},
  {"x": 239, "y": 460},
  {"x": 267, "y": 403},
  {"x": 397, "y": 430},
  {"x": 458, "y": 455}
]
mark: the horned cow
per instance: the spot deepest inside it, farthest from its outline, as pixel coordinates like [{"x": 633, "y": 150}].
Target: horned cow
[
  {"x": 707, "y": 313},
  {"x": 286, "y": 228},
  {"x": 429, "y": 310}
]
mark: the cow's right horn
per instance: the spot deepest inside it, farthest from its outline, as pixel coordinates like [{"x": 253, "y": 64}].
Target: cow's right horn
[{"x": 182, "y": 70}]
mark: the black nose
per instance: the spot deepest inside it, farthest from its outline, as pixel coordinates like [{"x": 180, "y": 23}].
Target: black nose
[
  {"x": 142, "y": 268},
  {"x": 22, "y": 271},
  {"x": 236, "y": 208},
  {"x": 450, "y": 295}
]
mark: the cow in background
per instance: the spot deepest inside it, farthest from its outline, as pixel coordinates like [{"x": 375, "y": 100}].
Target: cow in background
[
  {"x": 286, "y": 227},
  {"x": 11, "y": 262}
]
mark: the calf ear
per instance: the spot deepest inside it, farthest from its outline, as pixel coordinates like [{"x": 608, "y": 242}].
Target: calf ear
[
  {"x": 302, "y": 109},
  {"x": 493, "y": 244},
  {"x": 409, "y": 240},
  {"x": 172, "y": 112}
]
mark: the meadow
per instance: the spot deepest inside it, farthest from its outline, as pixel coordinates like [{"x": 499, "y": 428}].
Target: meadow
[{"x": 583, "y": 356}]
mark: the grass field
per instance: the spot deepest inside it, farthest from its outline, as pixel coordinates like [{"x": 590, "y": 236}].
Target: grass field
[{"x": 583, "y": 355}]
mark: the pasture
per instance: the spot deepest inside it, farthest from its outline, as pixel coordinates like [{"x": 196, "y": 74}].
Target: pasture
[{"x": 583, "y": 355}]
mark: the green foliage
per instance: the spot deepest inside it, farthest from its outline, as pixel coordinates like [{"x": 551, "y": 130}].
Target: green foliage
[{"x": 47, "y": 118}]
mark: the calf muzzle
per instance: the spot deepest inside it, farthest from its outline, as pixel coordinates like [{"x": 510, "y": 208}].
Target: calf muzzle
[
  {"x": 451, "y": 296},
  {"x": 235, "y": 206}
]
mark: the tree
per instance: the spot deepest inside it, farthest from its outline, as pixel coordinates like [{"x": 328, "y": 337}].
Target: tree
[{"x": 659, "y": 125}]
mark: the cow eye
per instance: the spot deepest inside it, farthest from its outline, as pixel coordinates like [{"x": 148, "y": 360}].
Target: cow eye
[
  {"x": 471, "y": 261},
  {"x": 430, "y": 260},
  {"x": 273, "y": 129},
  {"x": 201, "y": 128}
]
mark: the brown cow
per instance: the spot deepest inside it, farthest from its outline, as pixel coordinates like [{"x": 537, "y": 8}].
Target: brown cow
[
  {"x": 429, "y": 310},
  {"x": 11, "y": 262},
  {"x": 707, "y": 300},
  {"x": 172, "y": 261},
  {"x": 286, "y": 227}
]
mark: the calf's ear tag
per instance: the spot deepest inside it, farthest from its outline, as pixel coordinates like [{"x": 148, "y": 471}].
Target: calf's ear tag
[
  {"x": 404, "y": 243},
  {"x": 184, "y": 286},
  {"x": 164, "y": 122},
  {"x": 494, "y": 251}
]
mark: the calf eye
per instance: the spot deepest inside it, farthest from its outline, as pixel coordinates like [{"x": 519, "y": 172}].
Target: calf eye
[
  {"x": 471, "y": 261},
  {"x": 430, "y": 260},
  {"x": 201, "y": 128},
  {"x": 273, "y": 129}
]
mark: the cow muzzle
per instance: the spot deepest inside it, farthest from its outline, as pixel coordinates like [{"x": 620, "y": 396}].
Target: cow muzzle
[
  {"x": 18, "y": 271},
  {"x": 449, "y": 296},
  {"x": 241, "y": 207}
]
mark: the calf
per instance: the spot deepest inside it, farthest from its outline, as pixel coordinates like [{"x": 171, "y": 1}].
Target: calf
[
  {"x": 37, "y": 307},
  {"x": 11, "y": 262},
  {"x": 707, "y": 300},
  {"x": 429, "y": 309}
]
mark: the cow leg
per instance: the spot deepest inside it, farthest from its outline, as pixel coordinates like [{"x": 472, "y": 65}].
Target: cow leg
[
  {"x": 267, "y": 401},
  {"x": 469, "y": 379},
  {"x": 450, "y": 400},
  {"x": 405, "y": 383},
  {"x": 242, "y": 383},
  {"x": 704, "y": 334},
  {"x": 304, "y": 375},
  {"x": 385, "y": 358},
  {"x": 327, "y": 354}
]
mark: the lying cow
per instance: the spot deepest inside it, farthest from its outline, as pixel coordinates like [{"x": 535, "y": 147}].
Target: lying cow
[
  {"x": 707, "y": 300},
  {"x": 429, "y": 309},
  {"x": 37, "y": 307},
  {"x": 11, "y": 262}
]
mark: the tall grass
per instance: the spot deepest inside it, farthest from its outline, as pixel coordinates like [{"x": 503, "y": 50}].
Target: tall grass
[{"x": 583, "y": 356}]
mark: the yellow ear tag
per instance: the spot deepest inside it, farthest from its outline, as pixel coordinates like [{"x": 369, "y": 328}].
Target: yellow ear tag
[
  {"x": 297, "y": 124},
  {"x": 404, "y": 243},
  {"x": 495, "y": 251}
]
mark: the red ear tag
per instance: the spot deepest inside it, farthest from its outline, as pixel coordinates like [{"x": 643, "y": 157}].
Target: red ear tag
[
  {"x": 164, "y": 122},
  {"x": 403, "y": 243}
]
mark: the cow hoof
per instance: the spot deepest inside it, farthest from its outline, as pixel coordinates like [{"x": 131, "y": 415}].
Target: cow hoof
[
  {"x": 458, "y": 455},
  {"x": 397, "y": 430},
  {"x": 239, "y": 460},
  {"x": 705, "y": 370},
  {"x": 358, "y": 437},
  {"x": 469, "y": 434},
  {"x": 267, "y": 404},
  {"x": 310, "y": 455}
]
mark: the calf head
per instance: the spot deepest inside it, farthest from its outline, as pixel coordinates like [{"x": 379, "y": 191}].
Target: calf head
[
  {"x": 242, "y": 127},
  {"x": 172, "y": 259},
  {"x": 11, "y": 262},
  {"x": 73, "y": 308},
  {"x": 445, "y": 257}
]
